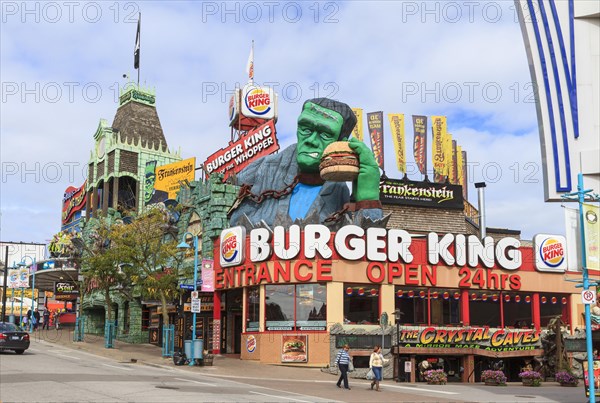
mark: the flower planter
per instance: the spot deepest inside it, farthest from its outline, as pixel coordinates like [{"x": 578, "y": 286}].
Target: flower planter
[
  {"x": 568, "y": 384},
  {"x": 530, "y": 382},
  {"x": 435, "y": 383},
  {"x": 491, "y": 383}
]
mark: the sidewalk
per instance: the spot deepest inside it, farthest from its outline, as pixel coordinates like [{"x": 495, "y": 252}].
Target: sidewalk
[{"x": 148, "y": 354}]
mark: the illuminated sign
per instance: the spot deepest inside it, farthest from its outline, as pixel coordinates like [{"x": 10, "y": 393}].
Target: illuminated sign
[
  {"x": 237, "y": 155},
  {"x": 74, "y": 201},
  {"x": 232, "y": 246},
  {"x": 258, "y": 102},
  {"x": 550, "y": 252}
]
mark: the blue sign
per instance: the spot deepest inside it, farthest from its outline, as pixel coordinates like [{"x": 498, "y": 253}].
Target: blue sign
[{"x": 186, "y": 286}]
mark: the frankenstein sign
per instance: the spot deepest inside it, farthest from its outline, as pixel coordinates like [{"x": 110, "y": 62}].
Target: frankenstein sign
[
  {"x": 422, "y": 194},
  {"x": 482, "y": 338}
]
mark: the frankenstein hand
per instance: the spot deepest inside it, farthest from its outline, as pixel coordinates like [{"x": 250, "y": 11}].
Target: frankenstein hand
[{"x": 366, "y": 186}]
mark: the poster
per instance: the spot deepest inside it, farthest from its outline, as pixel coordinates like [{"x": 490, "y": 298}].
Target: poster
[
  {"x": 294, "y": 348},
  {"x": 596, "y": 378}
]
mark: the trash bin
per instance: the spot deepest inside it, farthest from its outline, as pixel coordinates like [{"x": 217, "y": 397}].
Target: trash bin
[{"x": 198, "y": 347}]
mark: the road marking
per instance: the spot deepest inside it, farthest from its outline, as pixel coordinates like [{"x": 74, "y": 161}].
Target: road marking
[
  {"x": 114, "y": 366},
  {"x": 199, "y": 383},
  {"x": 280, "y": 397}
]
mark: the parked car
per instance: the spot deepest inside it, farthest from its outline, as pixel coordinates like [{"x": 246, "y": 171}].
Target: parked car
[{"x": 12, "y": 337}]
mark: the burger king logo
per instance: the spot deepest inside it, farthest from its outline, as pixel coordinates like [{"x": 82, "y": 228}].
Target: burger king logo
[
  {"x": 232, "y": 246},
  {"x": 258, "y": 101},
  {"x": 251, "y": 344},
  {"x": 551, "y": 253}
]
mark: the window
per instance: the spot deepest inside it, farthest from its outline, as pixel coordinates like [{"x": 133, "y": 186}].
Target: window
[
  {"x": 553, "y": 305},
  {"x": 517, "y": 309},
  {"x": 420, "y": 305},
  {"x": 484, "y": 308},
  {"x": 296, "y": 307},
  {"x": 252, "y": 309},
  {"x": 361, "y": 304}
]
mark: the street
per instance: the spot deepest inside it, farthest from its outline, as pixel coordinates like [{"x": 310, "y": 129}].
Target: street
[{"x": 53, "y": 372}]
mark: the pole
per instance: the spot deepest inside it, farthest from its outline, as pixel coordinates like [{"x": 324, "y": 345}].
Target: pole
[
  {"x": 586, "y": 286},
  {"x": 12, "y": 301},
  {"x": 21, "y": 308},
  {"x": 31, "y": 327},
  {"x": 4, "y": 285},
  {"x": 192, "y": 361}
]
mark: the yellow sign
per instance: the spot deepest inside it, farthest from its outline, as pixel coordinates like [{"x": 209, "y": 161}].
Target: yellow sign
[
  {"x": 358, "y": 132},
  {"x": 439, "y": 134},
  {"x": 168, "y": 176},
  {"x": 397, "y": 125}
]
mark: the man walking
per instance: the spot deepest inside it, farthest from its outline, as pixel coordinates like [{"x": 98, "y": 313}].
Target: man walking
[
  {"x": 343, "y": 361},
  {"x": 46, "y": 315}
]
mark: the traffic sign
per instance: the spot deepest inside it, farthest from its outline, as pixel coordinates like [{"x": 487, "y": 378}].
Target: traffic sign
[
  {"x": 588, "y": 297},
  {"x": 195, "y": 305},
  {"x": 195, "y": 294},
  {"x": 186, "y": 286}
]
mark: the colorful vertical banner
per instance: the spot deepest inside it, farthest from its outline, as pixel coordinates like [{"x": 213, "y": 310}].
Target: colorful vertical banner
[
  {"x": 420, "y": 142},
  {"x": 438, "y": 127},
  {"x": 573, "y": 237},
  {"x": 208, "y": 276},
  {"x": 24, "y": 277},
  {"x": 448, "y": 156},
  {"x": 454, "y": 165},
  {"x": 465, "y": 181},
  {"x": 13, "y": 279},
  {"x": 358, "y": 131},
  {"x": 397, "y": 126},
  {"x": 375, "y": 121},
  {"x": 459, "y": 165},
  {"x": 592, "y": 234}
]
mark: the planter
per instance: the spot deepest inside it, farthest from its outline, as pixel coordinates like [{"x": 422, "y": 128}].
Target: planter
[
  {"x": 530, "y": 382},
  {"x": 572, "y": 385},
  {"x": 491, "y": 383},
  {"x": 435, "y": 383}
]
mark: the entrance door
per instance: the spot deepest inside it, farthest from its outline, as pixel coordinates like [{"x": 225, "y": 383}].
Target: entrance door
[{"x": 237, "y": 334}]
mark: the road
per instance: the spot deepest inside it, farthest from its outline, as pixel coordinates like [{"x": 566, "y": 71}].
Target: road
[{"x": 53, "y": 373}]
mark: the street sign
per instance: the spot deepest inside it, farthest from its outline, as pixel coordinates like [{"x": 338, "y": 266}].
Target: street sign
[
  {"x": 186, "y": 286},
  {"x": 195, "y": 305},
  {"x": 199, "y": 282},
  {"x": 588, "y": 297}
]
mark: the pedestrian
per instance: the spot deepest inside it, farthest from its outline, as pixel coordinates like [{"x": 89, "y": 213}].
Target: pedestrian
[
  {"x": 376, "y": 363},
  {"x": 343, "y": 361},
  {"x": 24, "y": 322},
  {"x": 36, "y": 318},
  {"x": 46, "y": 316},
  {"x": 56, "y": 319}
]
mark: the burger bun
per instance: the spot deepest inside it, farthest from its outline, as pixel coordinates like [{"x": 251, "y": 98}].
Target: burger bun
[{"x": 339, "y": 163}]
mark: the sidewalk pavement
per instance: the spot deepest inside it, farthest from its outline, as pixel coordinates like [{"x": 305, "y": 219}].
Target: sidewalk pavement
[{"x": 148, "y": 354}]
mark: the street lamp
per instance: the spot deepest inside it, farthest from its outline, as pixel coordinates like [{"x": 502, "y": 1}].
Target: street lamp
[
  {"x": 185, "y": 245},
  {"x": 32, "y": 288}
]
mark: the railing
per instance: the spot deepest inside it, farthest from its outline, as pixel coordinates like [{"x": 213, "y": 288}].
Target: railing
[
  {"x": 471, "y": 212},
  {"x": 79, "y": 332},
  {"x": 110, "y": 333}
]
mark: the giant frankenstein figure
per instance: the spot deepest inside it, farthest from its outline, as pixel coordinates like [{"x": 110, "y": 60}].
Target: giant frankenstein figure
[{"x": 285, "y": 188}]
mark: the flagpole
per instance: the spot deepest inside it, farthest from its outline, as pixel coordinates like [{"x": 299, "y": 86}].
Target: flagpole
[{"x": 139, "y": 44}]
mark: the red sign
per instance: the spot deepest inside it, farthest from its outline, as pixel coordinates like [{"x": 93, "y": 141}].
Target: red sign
[
  {"x": 237, "y": 155},
  {"x": 73, "y": 201}
]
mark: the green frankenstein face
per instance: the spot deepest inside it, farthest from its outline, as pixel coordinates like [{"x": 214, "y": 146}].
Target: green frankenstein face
[{"x": 317, "y": 128}]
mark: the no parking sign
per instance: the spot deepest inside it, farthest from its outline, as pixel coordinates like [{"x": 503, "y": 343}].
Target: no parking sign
[{"x": 588, "y": 297}]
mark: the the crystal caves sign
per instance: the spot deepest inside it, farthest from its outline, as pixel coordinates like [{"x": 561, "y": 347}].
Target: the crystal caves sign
[
  {"x": 480, "y": 338},
  {"x": 422, "y": 194}
]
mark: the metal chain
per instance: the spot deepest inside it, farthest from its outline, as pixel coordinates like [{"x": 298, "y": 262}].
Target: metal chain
[{"x": 337, "y": 215}]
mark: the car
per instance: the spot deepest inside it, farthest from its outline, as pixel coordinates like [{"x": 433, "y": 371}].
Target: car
[{"x": 12, "y": 337}]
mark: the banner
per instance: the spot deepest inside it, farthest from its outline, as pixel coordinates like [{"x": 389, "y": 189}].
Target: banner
[
  {"x": 573, "y": 236},
  {"x": 438, "y": 128},
  {"x": 13, "y": 280},
  {"x": 397, "y": 126},
  {"x": 420, "y": 142},
  {"x": 465, "y": 182},
  {"x": 358, "y": 131},
  {"x": 208, "y": 276},
  {"x": 375, "y": 121},
  {"x": 448, "y": 156},
  {"x": 454, "y": 165},
  {"x": 592, "y": 235}
]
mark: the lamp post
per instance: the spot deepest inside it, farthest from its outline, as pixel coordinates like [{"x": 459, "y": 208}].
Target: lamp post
[
  {"x": 581, "y": 196},
  {"x": 32, "y": 288},
  {"x": 185, "y": 245}
]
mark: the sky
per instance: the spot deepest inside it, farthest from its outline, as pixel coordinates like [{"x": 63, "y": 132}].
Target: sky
[{"x": 62, "y": 63}]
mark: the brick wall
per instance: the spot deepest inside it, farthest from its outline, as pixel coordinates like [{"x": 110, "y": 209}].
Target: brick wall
[
  {"x": 128, "y": 162},
  {"x": 111, "y": 162}
]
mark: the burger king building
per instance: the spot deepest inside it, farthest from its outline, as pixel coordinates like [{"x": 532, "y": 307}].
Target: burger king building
[{"x": 452, "y": 300}]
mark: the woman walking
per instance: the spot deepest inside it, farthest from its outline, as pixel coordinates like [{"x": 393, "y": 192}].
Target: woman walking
[
  {"x": 376, "y": 364},
  {"x": 343, "y": 361}
]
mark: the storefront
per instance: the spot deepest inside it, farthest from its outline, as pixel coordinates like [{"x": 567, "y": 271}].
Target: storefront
[{"x": 463, "y": 302}]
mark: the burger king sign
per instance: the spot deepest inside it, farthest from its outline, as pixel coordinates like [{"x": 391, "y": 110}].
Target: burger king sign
[
  {"x": 550, "y": 252},
  {"x": 232, "y": 250}
]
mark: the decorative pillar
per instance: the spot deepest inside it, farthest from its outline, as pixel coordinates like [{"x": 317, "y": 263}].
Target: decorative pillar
[
  {"x": 115, "y": 198},
  {"x": 464, "y": 307},
  {"x": 105, "y": 193},
  {"x": 535, "y": 310}
]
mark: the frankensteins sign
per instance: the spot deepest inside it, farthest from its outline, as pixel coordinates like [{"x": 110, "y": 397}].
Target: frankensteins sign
[
  {"x": 479, "y": 338},
  {"x": 422, "y": 194}
]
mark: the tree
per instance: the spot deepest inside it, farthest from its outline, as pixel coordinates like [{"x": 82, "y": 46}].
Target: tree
[
  {"x": 101, "y": 260},
  {"x": 148, "y": 249}
]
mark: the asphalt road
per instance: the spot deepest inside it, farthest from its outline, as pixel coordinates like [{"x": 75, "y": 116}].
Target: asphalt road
[{"x": 54, "y": 373}]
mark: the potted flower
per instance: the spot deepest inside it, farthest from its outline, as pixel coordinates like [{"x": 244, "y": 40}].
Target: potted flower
[
  {"x": 565, "y": 378},
  {"x": 493, "y": 378},
  {"x": 436, "y": 377},
  {"x": 531, "y": 378}
]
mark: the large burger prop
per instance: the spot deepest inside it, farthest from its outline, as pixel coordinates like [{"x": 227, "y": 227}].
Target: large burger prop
[{"x": 339, "y": 163}]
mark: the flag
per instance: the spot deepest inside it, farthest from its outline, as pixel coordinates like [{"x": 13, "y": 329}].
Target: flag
[
  {"x": 375, "y": 122},
  {"x": 465, "y": 180},
  {"x": 358, "y": 132},
  {"x": 453, "y": 165},
  {"x": 448, "y": 156},
  {"x": 136, "y": 51},
  {"x": 459, "y": 166},
  {"x": 420, "y": 142},
  {"x": 572, "y": 234},
  {"x": 250, "y": 64},
  {"x": 397, "y": 126},
  {"x": 438, "y": 127}
]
